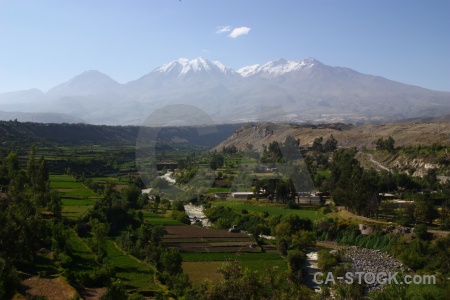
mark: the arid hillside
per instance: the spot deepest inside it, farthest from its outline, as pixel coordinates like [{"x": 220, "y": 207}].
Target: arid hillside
[{"x": 346, "y": 135}]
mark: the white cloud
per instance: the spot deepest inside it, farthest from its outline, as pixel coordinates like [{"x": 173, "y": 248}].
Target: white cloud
[
  {"x": 222, "y": 29},
  {"x": 239, "y": 31}
]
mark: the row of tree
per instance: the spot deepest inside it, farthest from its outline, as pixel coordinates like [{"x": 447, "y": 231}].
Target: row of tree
[{"x": 25, "y": 192}]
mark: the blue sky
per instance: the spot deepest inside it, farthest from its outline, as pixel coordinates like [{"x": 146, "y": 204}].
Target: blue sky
[{"x": 44, "y": 43}]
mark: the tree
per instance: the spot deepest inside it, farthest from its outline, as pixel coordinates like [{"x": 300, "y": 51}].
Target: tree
[
  {"x": 32, "y": 167},
  {"x": 420, "y": 230},
  {"x": 330, "y": 145},
  {"x": 303, "y": 239},
  {"x": 170, "y": 262},
  {"x": 295, "y": 261},
  {"x": 132, "y": 194},
  {"x": 431, "y": 178},
  {"x": 99, "y": 238},
  {"x": 272, "y": 154},
  {"x": 385, "y": 144},
  {"x": 21, "y": 229},
  {"x": 425, "y": 211},
  {"x": 42, "y": 181},
  {"x": 12, "y": 163},
  {"x": 55, "y": 203},
  {"x": 290, "y": 148},
  {"x": 317, "y": 144},
  {"x": 8, "y": 279},
  {"x": 216, "y": 161}
]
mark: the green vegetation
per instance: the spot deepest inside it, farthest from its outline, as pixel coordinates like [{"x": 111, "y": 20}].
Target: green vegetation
[
  {"x": 134, "y": 274},
  {"x": 311, "y": 213},
  {"x": 75, "y": 209}
]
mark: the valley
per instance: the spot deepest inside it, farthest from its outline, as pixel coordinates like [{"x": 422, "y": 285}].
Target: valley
[{"x": 272, "y": 194}]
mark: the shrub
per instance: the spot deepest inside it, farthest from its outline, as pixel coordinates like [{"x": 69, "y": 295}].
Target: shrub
[
  {"x": 326, "y": 261},
  {"x": 180, "y": 216},
  {"x": 63, "y": 259},
  {"x": 420, "y": 230},
  {"x": 8, "y": 279}
]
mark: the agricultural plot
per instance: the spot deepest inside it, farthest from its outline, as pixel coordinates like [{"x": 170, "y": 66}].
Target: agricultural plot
[
  {"x": 82, "y": 255},
  {"x": 200, "y": 266},
  {"x": 133, "y": 273},
  {"x": 205, "y": 240},
  {"x": 75, "y": 196},
  {"x": 159, "y": 219}
]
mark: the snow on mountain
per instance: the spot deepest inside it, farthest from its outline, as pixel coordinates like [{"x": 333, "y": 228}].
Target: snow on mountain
[
  {"x": 183, "y": 66},
  {"x": 297, "y": 91},
  {"x": 278, "y": 67},
  {"x": 249, "y": 70}
]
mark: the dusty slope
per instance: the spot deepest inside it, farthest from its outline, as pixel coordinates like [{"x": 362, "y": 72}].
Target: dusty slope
[{"x": 347, "y": 135}]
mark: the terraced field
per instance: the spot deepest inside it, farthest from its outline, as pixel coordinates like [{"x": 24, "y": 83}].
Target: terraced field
[
  {"x": 75, "y": 196},
  {"x": 201, "y": 239},
  {"x": 205, "y": 250}
]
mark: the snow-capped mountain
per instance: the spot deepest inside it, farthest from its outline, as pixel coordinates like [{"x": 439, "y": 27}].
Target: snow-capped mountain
[
  {"x": 278, "y": 67},
  {"x": 180, "y": 73},
  {"x": 280, "y": 90},
  {"x": 184, "y": 66}
]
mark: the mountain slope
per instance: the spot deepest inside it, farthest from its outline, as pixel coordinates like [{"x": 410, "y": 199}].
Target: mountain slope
[
  {"x": 363, "y": 136},
  {"x": 305, "y": 91},
  {"x": 89, "y": 82}
]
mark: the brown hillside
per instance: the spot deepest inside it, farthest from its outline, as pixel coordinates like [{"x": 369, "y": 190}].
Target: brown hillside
[{"x": 346, "y": 135}]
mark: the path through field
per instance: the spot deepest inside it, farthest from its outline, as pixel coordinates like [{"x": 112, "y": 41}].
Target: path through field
[{"x": 379, "y": 165}]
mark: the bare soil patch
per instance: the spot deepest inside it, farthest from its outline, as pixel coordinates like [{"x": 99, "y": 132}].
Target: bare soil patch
[
  {"x": 92, "y": 294},
  {"x": 197, "y": 231},
  {"x": 51, "y": 288}
]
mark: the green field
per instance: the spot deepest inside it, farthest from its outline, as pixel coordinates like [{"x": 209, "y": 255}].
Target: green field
[
  {"x": 159, "y": 219},
  {"x": 75, "y": 196},
  {"x": 133, "y": 273},
  {"x": 82, "y": 255},
  {"x": 272, "y": 209},
  {"x": 199, "y": 266},
  {"x": 218, "y": 190}
]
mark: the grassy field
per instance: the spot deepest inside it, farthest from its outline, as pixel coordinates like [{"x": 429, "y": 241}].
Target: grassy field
[
  {"x": 272, "y": 209},
  {"x": 83, "y": 257},
  {"x": 160, "y": 219},
  {"x": 75, "y": 196},
  {"x": 199, "y": 266},
  {"x": 200, "y": 270},
  {"x": 133, "y": 273}
]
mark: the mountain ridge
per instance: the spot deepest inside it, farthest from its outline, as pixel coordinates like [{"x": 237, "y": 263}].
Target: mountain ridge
[{"x": 306, "y": 91}]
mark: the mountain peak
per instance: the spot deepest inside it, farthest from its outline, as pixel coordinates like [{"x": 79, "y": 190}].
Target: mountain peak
[
  {"x": 91, "y": 81},
  {"x": 184, "y": 66},
  {"x": 92, "y": 74}
]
